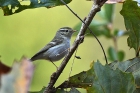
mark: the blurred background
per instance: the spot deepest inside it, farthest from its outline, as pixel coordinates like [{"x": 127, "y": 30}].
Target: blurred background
[{"x": 25, "y": 33}]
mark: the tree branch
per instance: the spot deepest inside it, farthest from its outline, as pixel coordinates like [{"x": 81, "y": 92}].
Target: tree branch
[
  {"x": 88, "y": 26},
  {"x": 95, "y": 8}
]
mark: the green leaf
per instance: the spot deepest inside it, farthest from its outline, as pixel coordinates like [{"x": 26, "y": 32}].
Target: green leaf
[
  {"x": 132, "y": 23},
  {"x": 115, "y": 55},
  {"x": 102, "y": 79},
  {"x": 107, "y": 12},
  {"x": 9, "y": 2},
  {"x": 73, "y": 90},
  {"x": 112, "y": 81},
  {"x": 121, "y": 55},
  {"x": 33, "y": 4},
  {"x": 47, "y": 3},
  {"x": 81, "y": 80},
  {"x": 60, "y": 91},
  {"x": 112, "y": 54},
  {"x": 132, "y": 65}
]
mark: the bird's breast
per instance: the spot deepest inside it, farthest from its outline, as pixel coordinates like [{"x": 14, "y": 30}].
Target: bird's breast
[{"x": 58, "y": 52}]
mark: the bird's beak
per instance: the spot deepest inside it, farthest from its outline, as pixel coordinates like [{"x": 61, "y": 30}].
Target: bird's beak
[{"x": 74, "y": 31}]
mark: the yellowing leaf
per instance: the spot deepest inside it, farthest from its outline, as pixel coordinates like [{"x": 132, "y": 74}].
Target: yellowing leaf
[{"x": 18, "y": 79}]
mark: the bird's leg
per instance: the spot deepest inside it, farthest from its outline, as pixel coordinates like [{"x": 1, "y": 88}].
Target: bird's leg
[
  {"x": 59, "y": 54},
  {"x": 54, "y": 65}
]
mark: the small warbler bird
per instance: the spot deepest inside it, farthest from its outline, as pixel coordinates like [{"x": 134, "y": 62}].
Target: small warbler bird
[{"x": 57, "y": 48}]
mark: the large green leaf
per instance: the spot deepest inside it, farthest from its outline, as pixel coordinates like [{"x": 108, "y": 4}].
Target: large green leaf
[
  {"x": 33, "y": 4},
  {"x": 112, "y": 81},
  {"x": 132, "y": 65},
  {"x": 102, "y": 79},
  {"x": 131, "y": 14},
  {"x": 81, "y": 80}
]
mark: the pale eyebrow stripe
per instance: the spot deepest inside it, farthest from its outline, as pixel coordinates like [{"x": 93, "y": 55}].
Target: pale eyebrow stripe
[{"x": 63, "y": 29}]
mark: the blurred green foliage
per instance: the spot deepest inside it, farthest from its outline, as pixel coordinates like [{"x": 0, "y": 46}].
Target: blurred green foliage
[
  {"x": 28, "y": 31},
  {"x": 104, "y": 27}
]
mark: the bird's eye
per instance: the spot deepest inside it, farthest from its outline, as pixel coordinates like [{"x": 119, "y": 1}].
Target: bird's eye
[{"x": 66, "y": 30}]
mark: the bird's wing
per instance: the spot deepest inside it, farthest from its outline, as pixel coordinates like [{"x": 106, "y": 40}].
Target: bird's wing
[{"x": 54, "y": 42}]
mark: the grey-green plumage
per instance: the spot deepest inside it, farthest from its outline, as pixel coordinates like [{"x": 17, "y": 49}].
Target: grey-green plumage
[{"x": 57, "y": 48}]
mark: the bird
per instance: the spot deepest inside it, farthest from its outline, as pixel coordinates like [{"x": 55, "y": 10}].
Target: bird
[{"x": 57, "y": 48}]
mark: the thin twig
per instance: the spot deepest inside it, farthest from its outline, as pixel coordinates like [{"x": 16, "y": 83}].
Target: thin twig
[
  {"x": 80, "y": 36},
  {"x": 87, "y": 27},
  {"x": 74, "y": 57}
]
